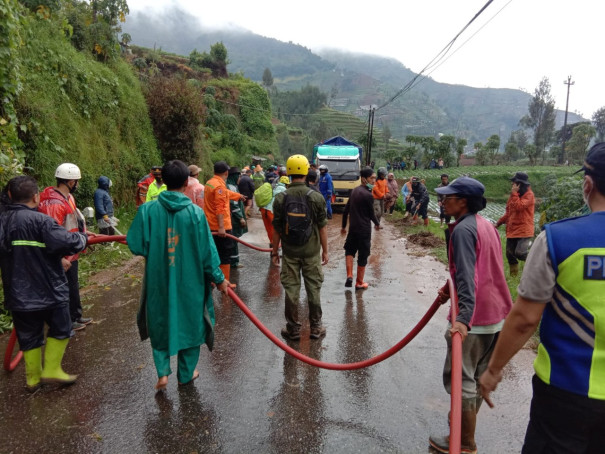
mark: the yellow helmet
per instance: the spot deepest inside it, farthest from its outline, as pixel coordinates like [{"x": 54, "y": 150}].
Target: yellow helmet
[{"x": 297, "y": 165}]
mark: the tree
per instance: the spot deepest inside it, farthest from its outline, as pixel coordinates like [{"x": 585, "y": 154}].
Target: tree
[
  {"x": 541, "y": 117},
  {"x": 598, "y": 121},
  {"x": 460, "y": 144},
  {"x": 492, "y": 146},
  {"x": 580, "y": 139},
  {"x": 511, "y": 152},
  {"x": 532, "y": 153},
  {"x": 481, "y": 155},
  {"x": 216, "y": 61},
  {"x": 267, "y": 78}
]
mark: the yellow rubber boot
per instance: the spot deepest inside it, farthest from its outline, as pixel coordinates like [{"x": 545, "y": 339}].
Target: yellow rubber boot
[
  {"x": 33, "y": 368},
  {"x": 53, "y": 356}
]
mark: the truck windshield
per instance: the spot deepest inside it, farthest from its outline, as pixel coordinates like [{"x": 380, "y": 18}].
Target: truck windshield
[{"x": 342, "y": 170}]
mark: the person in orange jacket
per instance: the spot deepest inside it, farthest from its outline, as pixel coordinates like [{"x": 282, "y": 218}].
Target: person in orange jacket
[
  {"x": 218, "y": 214},
  {"x": 379, "y": 191},
  {"x": 519, "y": 220},
  {"x": 143, "y": 185}
]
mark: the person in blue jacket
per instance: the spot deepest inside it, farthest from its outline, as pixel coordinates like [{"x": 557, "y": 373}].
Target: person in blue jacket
[
  {"x": 104, "y": 207},
  {"x": 326, "y": 187}
]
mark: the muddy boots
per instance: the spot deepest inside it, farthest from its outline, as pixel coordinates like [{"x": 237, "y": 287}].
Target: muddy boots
[
  {"x": 53, "y": 355},
  {"x": 359, "y": 283},
  {"x": 349, "y": 262},
  {"x": 513, "y": 269},
  {"x": 426, "y": 222},
  {"x": 33, "y": 368},
  {"x": 226, "y": 269},
  {"x": 469, "y": 421}
]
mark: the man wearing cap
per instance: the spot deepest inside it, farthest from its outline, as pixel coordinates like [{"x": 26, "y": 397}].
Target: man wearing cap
[
  {"x": 218, "y": 214},
  {"x": 519, "y": 220},
  {"x": 379, "y": 191},
  {"x": 194, "y": 189},
  {"x": 562, "y": 290},
  {"x": 238, "y": 216},
  {"x": 156, "y": 187},
  {"x": 475, "y": 262}
]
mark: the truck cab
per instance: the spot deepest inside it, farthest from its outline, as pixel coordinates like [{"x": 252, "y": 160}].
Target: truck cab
[{"x": 344, "y": 163}]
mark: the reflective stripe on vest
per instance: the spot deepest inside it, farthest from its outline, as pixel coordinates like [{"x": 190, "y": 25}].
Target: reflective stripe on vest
[
  {"x": 27, "y": 243},
  {"x": 571, "y": 355}
]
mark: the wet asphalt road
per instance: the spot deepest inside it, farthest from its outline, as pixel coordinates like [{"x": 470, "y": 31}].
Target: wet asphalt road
[{"x": 251, "y": 396}]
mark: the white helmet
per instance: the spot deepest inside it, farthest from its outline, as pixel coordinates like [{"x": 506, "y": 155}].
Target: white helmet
[{"x": 68, "y": 171}]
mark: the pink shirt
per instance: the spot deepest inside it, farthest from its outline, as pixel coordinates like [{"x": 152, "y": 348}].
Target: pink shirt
[{"x": 195, "y": 191}]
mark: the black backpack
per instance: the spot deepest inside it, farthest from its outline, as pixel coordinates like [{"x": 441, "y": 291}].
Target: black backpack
[{"x": 299, "y": 219}]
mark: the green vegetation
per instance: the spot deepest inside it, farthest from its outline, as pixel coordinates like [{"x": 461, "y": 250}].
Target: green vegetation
[
  {"x": 75, "y": 109},
  {"x": 495, "y": 178}
]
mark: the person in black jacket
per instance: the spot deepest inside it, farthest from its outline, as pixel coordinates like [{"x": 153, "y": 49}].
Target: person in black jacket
[
  {"x": 35, "y": 287},
  {"x": 360, "y": 208},
  {"x": 246, "y": 187},
  {"x": 421, "y": 201}
]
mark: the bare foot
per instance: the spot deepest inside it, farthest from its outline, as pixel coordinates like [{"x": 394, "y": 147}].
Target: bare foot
[
  {"x": 161, "y": 384},
  {"x": 196, "y": 375}
]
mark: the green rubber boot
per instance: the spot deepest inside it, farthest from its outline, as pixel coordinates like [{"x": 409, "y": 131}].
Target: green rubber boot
[
  {"x": 52, "y": 372},
  {"x": 33, "y": 368}
]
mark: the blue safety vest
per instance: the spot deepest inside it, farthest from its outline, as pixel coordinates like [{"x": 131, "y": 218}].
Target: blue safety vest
[{"x": 571, "y": 355}]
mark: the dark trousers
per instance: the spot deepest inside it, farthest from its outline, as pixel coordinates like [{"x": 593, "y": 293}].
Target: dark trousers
[
  {"x": 517, "y": 249},
  {"x": 224, "y": 247},
  {"x": 75, "y": 305},
  {"x": 29, "y": 325},
  {"x": 357, "y": 242},
  {"x": 562, "y": 422}
]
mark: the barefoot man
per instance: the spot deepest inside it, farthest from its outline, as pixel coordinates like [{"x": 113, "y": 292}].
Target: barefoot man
[{"x": 177, "y": 313}]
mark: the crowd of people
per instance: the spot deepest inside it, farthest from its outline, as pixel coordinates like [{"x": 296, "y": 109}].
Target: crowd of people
[{"x": 185, "y": 231}]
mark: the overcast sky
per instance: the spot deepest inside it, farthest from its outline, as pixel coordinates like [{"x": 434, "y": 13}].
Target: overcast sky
[{"x": 521, "y": 40}]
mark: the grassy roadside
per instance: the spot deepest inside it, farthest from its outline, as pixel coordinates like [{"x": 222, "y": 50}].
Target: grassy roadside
[{"x": 439, "y": 251}]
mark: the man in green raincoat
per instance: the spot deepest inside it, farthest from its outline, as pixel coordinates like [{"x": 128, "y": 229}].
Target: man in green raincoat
[{"x": 177, "y": 312}]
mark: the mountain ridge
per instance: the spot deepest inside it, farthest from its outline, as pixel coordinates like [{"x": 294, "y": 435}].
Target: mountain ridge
[{"x": 352, "y": 80}]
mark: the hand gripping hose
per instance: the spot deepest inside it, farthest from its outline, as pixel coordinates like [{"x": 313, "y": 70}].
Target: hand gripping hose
[{"x": 11, "y": 363}]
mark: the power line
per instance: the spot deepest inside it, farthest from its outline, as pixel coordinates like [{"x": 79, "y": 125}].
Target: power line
[{"x": 436, "y": 60}]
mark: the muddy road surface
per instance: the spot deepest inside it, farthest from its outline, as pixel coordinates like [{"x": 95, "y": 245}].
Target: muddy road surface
[{"x": 253, "y": 397}]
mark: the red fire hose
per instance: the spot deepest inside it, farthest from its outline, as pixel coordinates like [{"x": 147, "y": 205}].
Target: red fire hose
[
  {"x": 261, "y": 249},
  {"x": 332, "y": 366},
  {"x": 456, "y": 396},
  {"x": 10, "y": 363}
]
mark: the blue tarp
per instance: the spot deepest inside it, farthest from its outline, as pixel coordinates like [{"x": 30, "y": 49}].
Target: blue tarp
[{"x": 337, "y": 141}]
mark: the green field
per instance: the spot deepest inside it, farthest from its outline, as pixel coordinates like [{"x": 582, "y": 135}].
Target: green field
[{"x": 495, "y": 178}]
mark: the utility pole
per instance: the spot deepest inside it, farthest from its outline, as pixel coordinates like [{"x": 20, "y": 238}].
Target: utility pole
[
  {"x": 569, "y": 83},
  {"x": 369, "y": 136}
]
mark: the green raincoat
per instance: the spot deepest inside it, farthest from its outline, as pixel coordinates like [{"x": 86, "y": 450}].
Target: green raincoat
[{"x": 172, "y": 234}]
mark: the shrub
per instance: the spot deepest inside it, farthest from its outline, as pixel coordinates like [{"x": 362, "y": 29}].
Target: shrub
[{"x": 176, "y": 112}]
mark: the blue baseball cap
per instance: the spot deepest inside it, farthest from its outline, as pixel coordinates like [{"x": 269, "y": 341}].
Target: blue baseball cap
[
  {"x": 594, "y": 163},
  {"x": 465, "y": 186}
]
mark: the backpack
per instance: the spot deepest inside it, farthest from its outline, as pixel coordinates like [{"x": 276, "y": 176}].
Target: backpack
[
  {"x": 263, "y": 195},
  {"x": 298, "y": 217}
]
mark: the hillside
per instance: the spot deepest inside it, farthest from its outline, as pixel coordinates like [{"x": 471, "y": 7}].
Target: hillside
[{"x": 356, "y": 81}]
